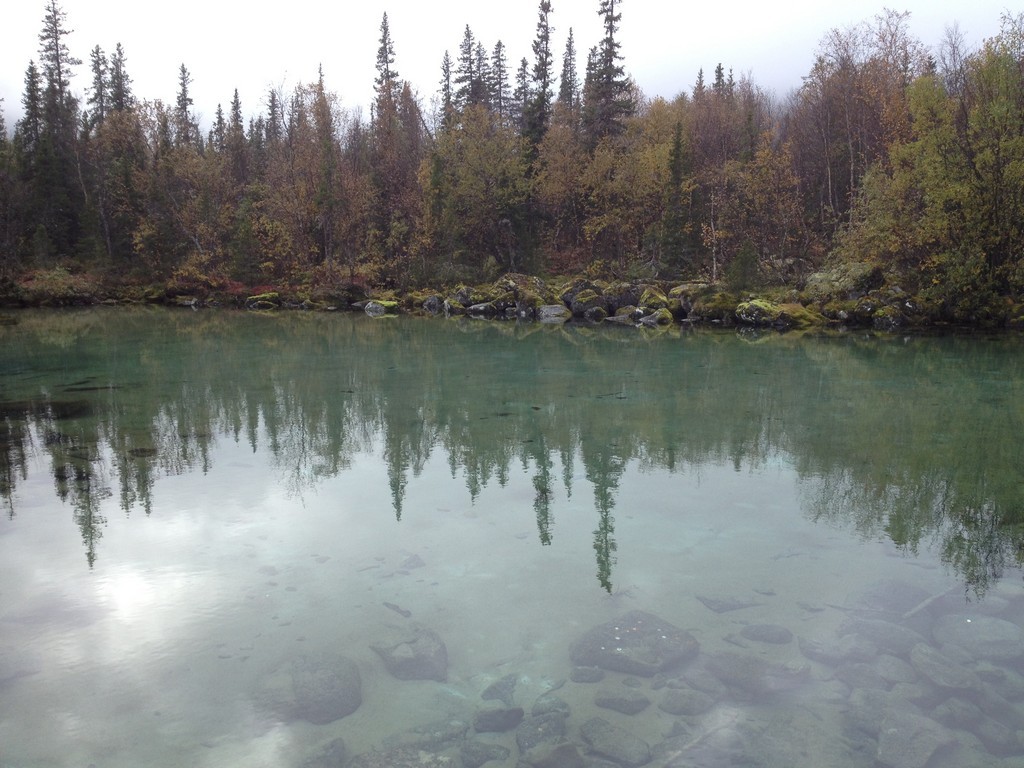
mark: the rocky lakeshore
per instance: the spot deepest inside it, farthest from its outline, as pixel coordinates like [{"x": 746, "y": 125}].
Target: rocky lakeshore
[{"x": 841, "y": 297}]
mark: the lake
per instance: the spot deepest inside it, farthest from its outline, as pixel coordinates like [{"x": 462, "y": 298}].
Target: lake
[{"x": 241, "y": 539}]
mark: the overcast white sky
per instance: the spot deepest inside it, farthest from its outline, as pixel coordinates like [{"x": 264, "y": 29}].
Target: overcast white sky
[{"x": 256, "y": 46}]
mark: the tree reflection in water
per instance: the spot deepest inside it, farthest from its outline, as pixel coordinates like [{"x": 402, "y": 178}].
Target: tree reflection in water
[{"x": 914, "y": 439}]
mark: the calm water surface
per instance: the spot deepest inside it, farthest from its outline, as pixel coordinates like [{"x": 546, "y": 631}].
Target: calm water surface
[{"x": 211, "y": 520}]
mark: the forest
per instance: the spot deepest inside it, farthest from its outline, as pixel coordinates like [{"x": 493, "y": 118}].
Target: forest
[{"x": 895, "y": 168}]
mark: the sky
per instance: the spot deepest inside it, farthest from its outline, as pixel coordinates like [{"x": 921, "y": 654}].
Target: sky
[{"x": 281, "y": 46}]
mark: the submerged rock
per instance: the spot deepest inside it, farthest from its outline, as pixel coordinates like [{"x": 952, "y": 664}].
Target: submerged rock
[
  {"x": 628, "y": 701},
  {"x": 755, "y": 675},
  {"x": 727, "y": 604},
  {"x": 767, "y": 633},
  {"x": 637, "y": 643},
  {"x": 685, "y": 702},
  {"x": 887, "y": 599},
  {"x": 615, "y": 743},
  {"x": 403, "y": 757},
  {"x": 501, "y": 690},
  {"x": 433, "y": 737},
  {"x": 983, "y": 637},
  {"x": 497, "y": 719},
  {"x": 413, "y": 652},
  {"x": 476, "y": 753},
  {"x": 908, "y": 740},
  {"x": 540, "y": 729},
  {"x": 943, "y": 671},
  {"x": 326, "y": 687},
  {"x": 330, "y": 755}
]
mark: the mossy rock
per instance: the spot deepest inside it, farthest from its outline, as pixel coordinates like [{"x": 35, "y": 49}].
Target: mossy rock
[
  {"x": 760, "y": 313},
  {"x": 381, "y": 307},
  {"x": 572, "y": 289},
  {"x": 840, "y": 310},
  {"x": 719, "y": 306},
  {"x": 687, "y": 290},
  {"x": 845, "y": 280},
  {"x": 587, "y": 300},
  {"x": 888, "y": 318},
  {"x": 652, "y": 299},
  {"x": 658, "y": 317},
  {"x": 866, "y": 307},
  {"x": 622, "y": 294},
  {"x": 264, "y": 301},
  {"x": 796, "y": 315},
  {"x": 453, "y": 308}
]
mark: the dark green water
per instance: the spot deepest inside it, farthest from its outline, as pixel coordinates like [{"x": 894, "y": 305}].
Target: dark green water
[{"x": 201, "y": 507}]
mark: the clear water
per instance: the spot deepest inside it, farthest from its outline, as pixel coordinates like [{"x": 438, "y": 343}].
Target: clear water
[{"x": 195, "y": 500}]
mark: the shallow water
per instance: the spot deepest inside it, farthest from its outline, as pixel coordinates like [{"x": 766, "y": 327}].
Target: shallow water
[{"x": 196, "y": 501}]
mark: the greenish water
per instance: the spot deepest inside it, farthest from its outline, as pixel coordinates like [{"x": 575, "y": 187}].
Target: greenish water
[{"x": 198, "y": 503}]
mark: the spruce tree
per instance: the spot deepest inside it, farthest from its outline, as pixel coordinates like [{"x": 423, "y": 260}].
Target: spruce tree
[
  {"x": 447, "y": 96},
  {"x": 608, "y": 99},
  {"x": 99, "y": 98},
  {"x": 59, "y": 199},
  {"x": 569, "y": 84},
  {"x": 121, "y": 97},
  {"x": 186, "y": 129},
  {"x": 386, "y": 83},
  {"x": 538, "y": 111},
  {"x": 499, "y": 93}
]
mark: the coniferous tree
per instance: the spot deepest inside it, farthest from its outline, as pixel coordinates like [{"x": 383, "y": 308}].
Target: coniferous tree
[
  {"x": 121, "y": 97},
  {"x": 608, "y": 100},
  {"x": 99, "y": 98},
  {"x": 538, "y": 110},
  {"x": 186, "y": 130},
  {"x": 470, "y": 87},
  {"x": 387, "y": 83},
  {"x": 235, "y": 144},
  {"x": 447, "y": 95},
  {"x": 483, "y": 74},
  {"x": 59, "y": 198},
  {"x": 275, "y": 119},
  {"x": 673, "y": 237},
  {"x": 521, "y": 95},
  {"x": 499, "y": 93},
  {"x": 569, "y": 83}
]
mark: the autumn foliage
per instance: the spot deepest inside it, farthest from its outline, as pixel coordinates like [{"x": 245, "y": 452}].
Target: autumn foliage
[{"x": 905, "y": 159}]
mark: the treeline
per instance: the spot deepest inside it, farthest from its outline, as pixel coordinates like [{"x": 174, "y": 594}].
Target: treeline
[{"x": 890, "y": 154}]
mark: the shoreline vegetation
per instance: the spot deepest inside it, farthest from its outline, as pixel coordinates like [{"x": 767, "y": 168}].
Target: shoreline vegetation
[
  {"x": 838, "y": 299},
  {"x": 886, "y": 191}
]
